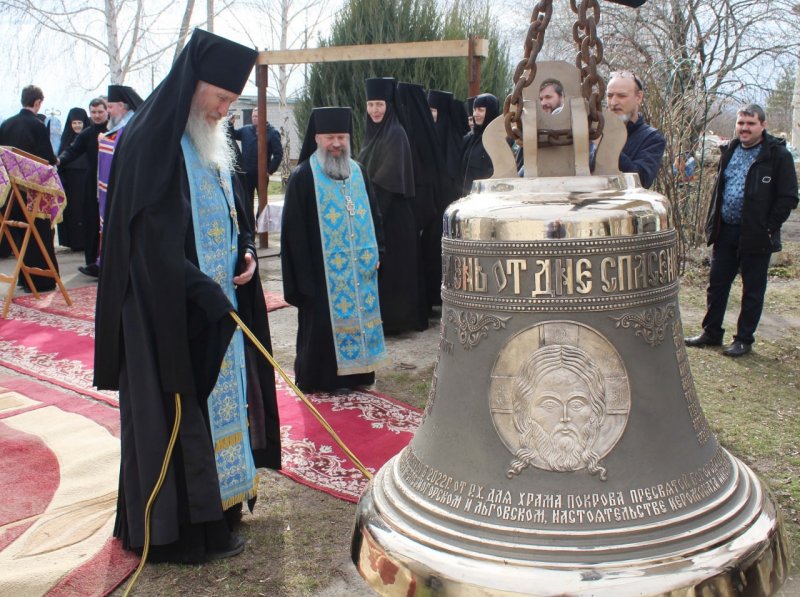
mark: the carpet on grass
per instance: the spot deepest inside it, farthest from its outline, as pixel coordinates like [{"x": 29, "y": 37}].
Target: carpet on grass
[
  {"x": 55, "y": 343},
  {"x": 85, "y": 297},
  {"x": 58, "y": 485}
]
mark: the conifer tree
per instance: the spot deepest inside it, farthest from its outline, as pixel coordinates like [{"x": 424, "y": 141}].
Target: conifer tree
[{"x": 389, "y": 21}]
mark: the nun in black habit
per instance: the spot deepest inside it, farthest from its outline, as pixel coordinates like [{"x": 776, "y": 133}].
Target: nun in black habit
[
  {"x": 475, "y": 162},
  {"x": 448, "y": 144},
  {"x": 387, "y": 157},
  {"x": 73, "y": 179},
  {"x": 163, "y": 325}
]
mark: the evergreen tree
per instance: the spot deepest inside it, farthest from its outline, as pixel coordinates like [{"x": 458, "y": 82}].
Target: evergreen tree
[
  {"x": 779, "y": 104},
  {"x": 394, "y": 21}
]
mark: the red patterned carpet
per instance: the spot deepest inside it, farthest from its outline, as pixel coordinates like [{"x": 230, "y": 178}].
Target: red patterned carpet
[
  {"x": 49, "y": 341},
  {"x": 55, "y": 526}
]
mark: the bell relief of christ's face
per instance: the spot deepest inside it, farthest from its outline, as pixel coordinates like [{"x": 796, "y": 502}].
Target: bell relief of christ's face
[{"x": 561, "y": 408}]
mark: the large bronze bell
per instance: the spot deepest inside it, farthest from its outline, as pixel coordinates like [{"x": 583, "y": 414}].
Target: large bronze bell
[{"x": 563, "y": 450}]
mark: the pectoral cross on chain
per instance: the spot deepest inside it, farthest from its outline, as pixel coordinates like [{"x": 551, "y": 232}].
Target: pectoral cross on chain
[{"x": 349, "y": 205}]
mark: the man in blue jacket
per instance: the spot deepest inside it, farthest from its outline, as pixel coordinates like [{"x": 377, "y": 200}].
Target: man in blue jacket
[
  {"x": 645, "y": 145},
  {"x": 247, "y": 135},
  {"x": 755, "y": 191}
]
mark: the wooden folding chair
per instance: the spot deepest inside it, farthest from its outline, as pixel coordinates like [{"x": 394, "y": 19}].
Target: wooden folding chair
[{"x": 15, "y": 183}]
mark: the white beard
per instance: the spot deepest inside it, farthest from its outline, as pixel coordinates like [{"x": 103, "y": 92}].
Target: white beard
[
  {"x": 210, "y": 141},
  {"x": 337, "y": 167}
]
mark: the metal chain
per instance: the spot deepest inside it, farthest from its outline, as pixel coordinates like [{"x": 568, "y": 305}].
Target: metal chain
[
  {"x": 525, "y": 72},
  {"x": 590, "y": 54}
]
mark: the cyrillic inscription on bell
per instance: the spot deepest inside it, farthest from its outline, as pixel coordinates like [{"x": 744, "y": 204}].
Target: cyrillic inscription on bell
[{"x": 563, "y": 450}]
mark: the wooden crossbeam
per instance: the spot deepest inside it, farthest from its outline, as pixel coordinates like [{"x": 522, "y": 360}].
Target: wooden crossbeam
[{"x": 456, "y": 48}]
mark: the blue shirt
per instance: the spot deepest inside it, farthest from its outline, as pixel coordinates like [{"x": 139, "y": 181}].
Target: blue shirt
[{"x": 734, "y": 176}]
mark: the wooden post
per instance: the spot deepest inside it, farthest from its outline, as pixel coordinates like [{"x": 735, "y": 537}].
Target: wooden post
[
  {"x": 261, "y": 131},
  {"x": 473, "y": 68}
]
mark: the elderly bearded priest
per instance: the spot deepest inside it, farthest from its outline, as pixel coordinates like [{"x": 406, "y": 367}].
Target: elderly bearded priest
[
  {"x": 330, "y": 241},
  {"x": 178, "y": 256}
]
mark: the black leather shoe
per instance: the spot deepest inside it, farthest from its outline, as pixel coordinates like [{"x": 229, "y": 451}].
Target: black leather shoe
[
  {"x": 234, "y": 549},
  {"x": 89, "y": 270},
  {"x": 737, "y": 349},
  {"x": 702, "y": 340}
]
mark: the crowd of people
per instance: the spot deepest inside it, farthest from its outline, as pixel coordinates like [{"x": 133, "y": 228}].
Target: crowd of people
[{"x": 167, "y": 227}]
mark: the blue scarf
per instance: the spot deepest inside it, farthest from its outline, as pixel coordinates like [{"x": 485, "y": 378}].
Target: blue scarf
[
  {"x": 350, "y": 253},
  {"x": 215, "y": 233}
]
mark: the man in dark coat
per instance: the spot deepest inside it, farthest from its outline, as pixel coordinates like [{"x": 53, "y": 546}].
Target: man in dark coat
[
  {"x": 248, "y": 135},
  {"x": 755, "y": 191},
  {"x": 86, "y": 144},
  {"x": 178, "y": 257},
  {"x": 645, "y": 146},
  {"x": 26, "y": 132},
  {"x": 331, "y": 241}
]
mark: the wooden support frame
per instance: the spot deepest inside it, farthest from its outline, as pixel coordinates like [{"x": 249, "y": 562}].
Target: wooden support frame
[
  {"x": 473, "y": 49},
  {"x": 30, "y": 232}
]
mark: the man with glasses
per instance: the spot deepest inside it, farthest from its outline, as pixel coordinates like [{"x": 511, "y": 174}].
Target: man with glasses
[{"x": 645, "y": 145}]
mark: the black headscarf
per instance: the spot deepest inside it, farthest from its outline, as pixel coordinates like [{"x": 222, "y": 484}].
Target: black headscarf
[
  {"x": 459, "y": 116},
  {"x": 475, "y": 161},
  {"x": 123, "y": 93},
  {"x": 447, "y": 131},
  {"x": 492, "y": 105},
  {"x": 68, "y": 135},
  {"x": 415, "y": 116},
  {"x": 143, "y": 185},
  {"x": 330, "y": 119},
  {"x": 387, "y": 153}
]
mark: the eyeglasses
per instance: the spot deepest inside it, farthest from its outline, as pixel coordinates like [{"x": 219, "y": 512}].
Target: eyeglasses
[{"x": 626, "y": 74}]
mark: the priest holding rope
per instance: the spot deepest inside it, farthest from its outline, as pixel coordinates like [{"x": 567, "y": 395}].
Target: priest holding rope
[{"x": 177, "y": 258}]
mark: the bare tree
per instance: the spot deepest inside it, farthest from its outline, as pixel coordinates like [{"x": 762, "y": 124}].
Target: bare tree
[
  {"x": 183, "y": 32},
  {"x": 282, "y": 25},
  {"x": 697, "y": 58},
  {"x": 130, "y": 34}
]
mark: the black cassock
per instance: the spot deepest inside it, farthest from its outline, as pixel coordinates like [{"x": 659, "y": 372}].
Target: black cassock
[
  {"x": 162, "y": 325},
  {"x": 386, "y": 156},
  {"x": 85, "y": 145},
  {"x": 188, "y": 513},
  {"x": 304, "y": 285},
  {"x": 73, "y": 179},
  {"x": 399, "y": 282}
]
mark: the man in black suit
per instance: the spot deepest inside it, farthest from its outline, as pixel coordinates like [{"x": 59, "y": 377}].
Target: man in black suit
[{"x": 25, "y": 131}]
